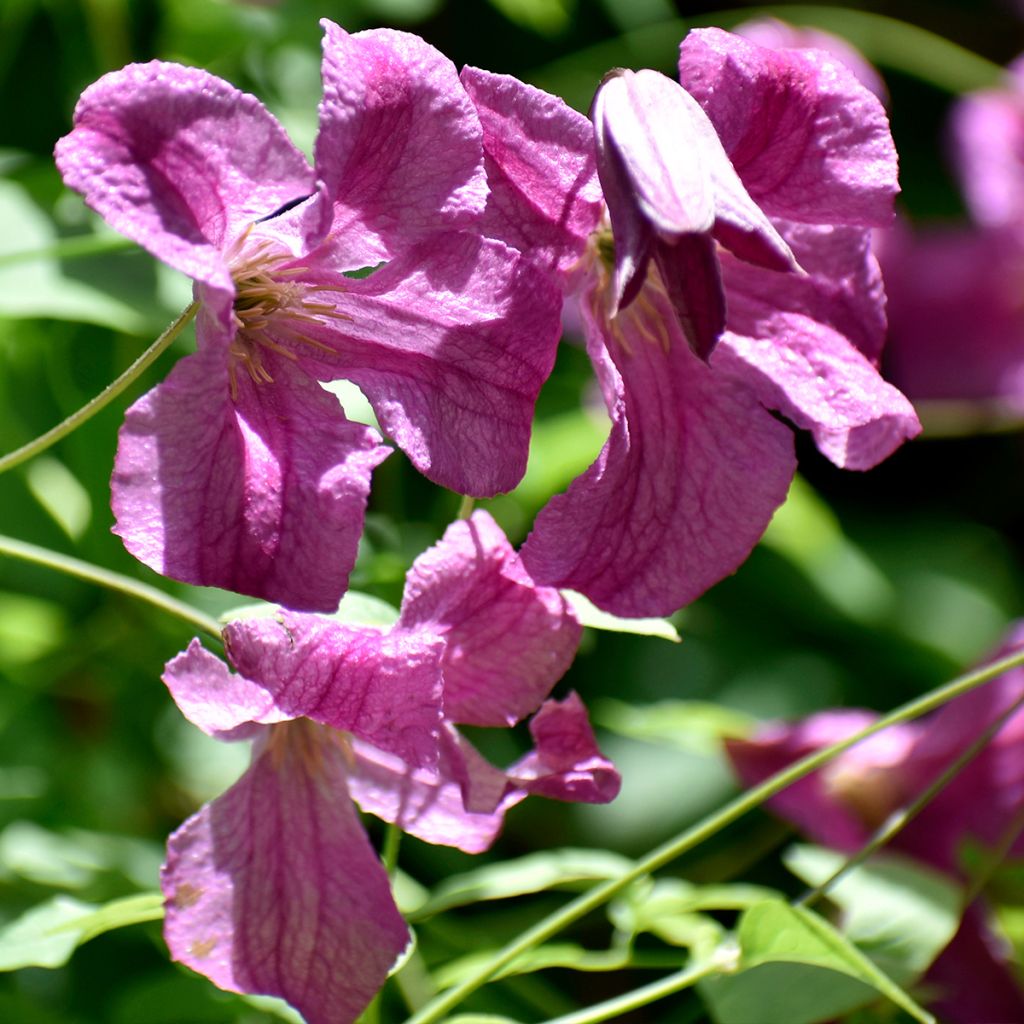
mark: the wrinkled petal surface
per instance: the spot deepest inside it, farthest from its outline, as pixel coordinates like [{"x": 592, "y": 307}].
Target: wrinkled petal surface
[
  {"x": 451, "y": 343},
  {"x": 684, "y": 487},
  {"x": 263, "y": 494},
  {"x": 566, "y": 763},
  {"x": 384, "y": 688},
  {"x": 399, "y": 149},
  {"x": 222, "y": 703},
  {"x": 809, "y": 142},
  {"x": 274, "y": 888},
  {"x": 464, "y": 805},
  {"x": 156, "y": 152},
  {"x": 507, "y": 641},
  {"x": 544, "y": 198}
]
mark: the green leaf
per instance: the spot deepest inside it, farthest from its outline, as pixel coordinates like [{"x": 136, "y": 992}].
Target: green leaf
[
  {"x": 697, "y": 727},
  {"x": 48, "y": 934},
  {"x": 592, "y": 616},
  {"x": 535, "y": 872},
  {"x": 31, "y": 281},
  {"x": 547, "y": 17},
  {"x": 772, "y": 934},
  {"x": 899, "y": 912}
]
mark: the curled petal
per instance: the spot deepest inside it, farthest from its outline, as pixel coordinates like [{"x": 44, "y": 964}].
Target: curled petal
[
  {"x": 155, "y": 151},
  {"x": 686, "y": 484},
  {"x": 263, "y": 494},
  {"x": 274, "y": 888},
  {"x": 507, "y": 641},
  {"x": 565, "y": 763},
  {"x": 544, "y": 197},
  {"x": 816, "y": 378},
  {"x": 400, "y": 149},
  {"x": 223, "y": 704},
  {"x": 810, "y": 143},
  {"x": 385, "y": 688}
]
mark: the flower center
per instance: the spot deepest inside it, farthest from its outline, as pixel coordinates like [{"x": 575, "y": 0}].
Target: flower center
[
  {"x": 273, "y": 308},
  {"x": 869, "y": 791},
  {"x": 307, "y": 743}
]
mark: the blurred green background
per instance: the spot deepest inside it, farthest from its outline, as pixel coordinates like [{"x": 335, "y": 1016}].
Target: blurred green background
[{"x": 868, "y": 589}]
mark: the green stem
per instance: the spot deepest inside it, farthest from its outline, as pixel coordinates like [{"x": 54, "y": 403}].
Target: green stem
[
  {"x": 702, "y": 830},
  {"x": 612, "y": 1008},
  {"x": 466, "y": 507},
  {"x": 389, "y": 853},
  {"x": 900, "y": 818},
  {"x": 113, "y": 580},
  {"x": 107, "y": 395}
]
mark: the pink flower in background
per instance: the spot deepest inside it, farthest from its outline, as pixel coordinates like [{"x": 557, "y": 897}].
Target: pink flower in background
[
  {"x": 239, "y": 470},
  {"x": 843, "y": 803},
  {"x": 800, "y": 166},
  {"x": 273, "y": 887}
]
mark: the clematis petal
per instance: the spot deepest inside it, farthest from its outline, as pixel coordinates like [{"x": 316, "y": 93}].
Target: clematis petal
[
  {"x": 685, "y": 485},
  {"x": 690, "y": 274},
  {"x": 810, "y": 143},
  {"x": 565, "y": 763},
  {"x": 400, "y": 147},
  {"x": 451, "y": 342},
  {"x": 544, "y": 197},
  {"x": 180, "y": 161},
  {"x": 816, "y": 378},
  {"x": 841, "y": 804},
  {"x": 987, "y": 135},
  {"x": 274, "y": 888},
  {"x": 507, "y": 641},
  {"x": 464, "y": 804},
  {"x": 264, "y": 494},
  {"x": 424, "y": 804},
  {"x": 223, "y": 704},
  {"x": 955, "y": 316},
  {"x": 385, "y": 688}
]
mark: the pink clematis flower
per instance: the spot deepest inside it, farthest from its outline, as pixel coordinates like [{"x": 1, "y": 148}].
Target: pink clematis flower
[
  {"x": 842, "y": 804},
  {"x": 744, "y": 200},
  {"x": 273, "y": 887},
  {"x": 239, "y": 470}
]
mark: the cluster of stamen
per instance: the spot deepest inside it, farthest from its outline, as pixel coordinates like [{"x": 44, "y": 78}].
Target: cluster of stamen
[
  {"x": 642, "y": 313},
  {"x": 308, "y": 743},
  {"x": 272, "y": 308}
]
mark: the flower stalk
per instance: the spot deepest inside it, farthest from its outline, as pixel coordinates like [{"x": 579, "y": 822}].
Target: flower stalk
[{"x": 104, "y": 398}]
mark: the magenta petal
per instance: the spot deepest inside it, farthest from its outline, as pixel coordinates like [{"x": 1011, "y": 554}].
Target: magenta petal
[
  {"x": 385, "y": 688},
  {"x": 816, "y": 378},
  {"x": 684, "y": 487},
  {"x": 955, "y": 315},
  {"x": 220, "y": 702},
  {"x": 400, "y": 149},
  {"x": 810, "y": 143},
  {"x": 987, "y": 131},
  {"x": 264, "y": 494},
  {"x": 274, "y": 888},
  {"x": 544, "y": 197},
  {"x": 451, "y": 342},
  {"x": 427, "y": 805},
  {"x": 507, "y": 641},
  {"x": 155, "y": 151},
  {"x": 566, "y": 763},
  {"x": 690, "y": 274}
]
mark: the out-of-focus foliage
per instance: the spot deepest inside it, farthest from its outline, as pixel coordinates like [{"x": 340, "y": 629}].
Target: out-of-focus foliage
[{"x": 866, "y": 591}]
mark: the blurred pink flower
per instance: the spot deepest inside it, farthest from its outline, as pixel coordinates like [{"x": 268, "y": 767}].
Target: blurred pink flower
[
  {"x": 785, "y": 155},
  {"x": 239, "y": 470},
  {"x": 843, "y": 803},
  {"x": 273, "y": 887}
]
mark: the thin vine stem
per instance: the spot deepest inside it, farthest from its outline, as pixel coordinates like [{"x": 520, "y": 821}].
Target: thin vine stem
[
  {"x": 702, "y": 830},
  {"x": 112, "y": 580},
  {"x": 901, "y": 817},
  {"x": 465, "y": 507},
  {"x": 389, "y": 850},
  {"x": 104, "y": 398},
  {"x": 633, "y": 1000}
]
